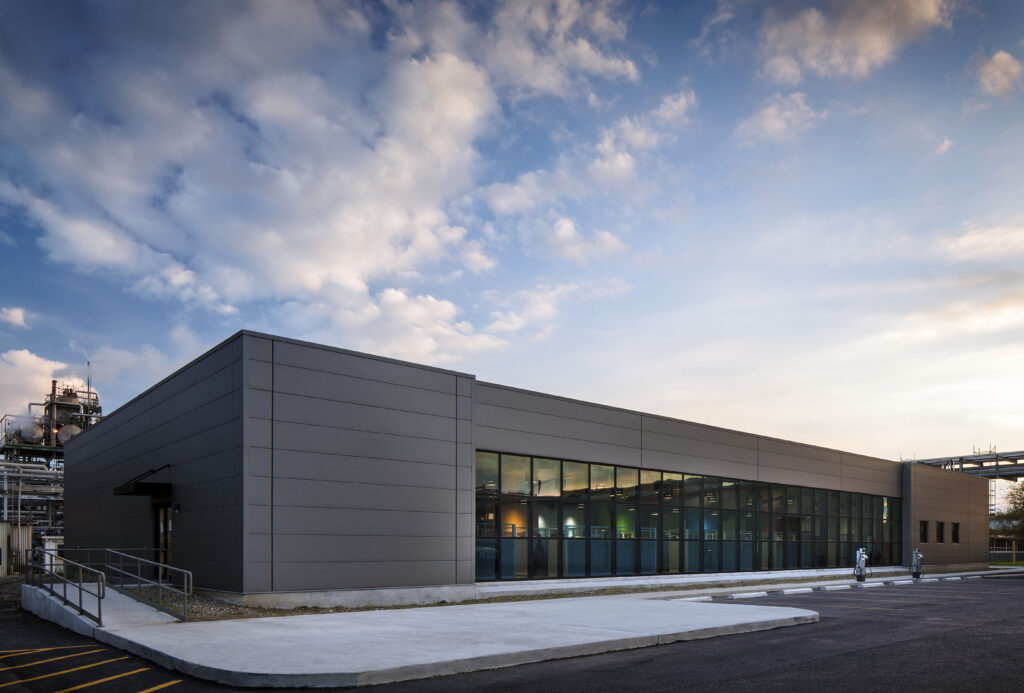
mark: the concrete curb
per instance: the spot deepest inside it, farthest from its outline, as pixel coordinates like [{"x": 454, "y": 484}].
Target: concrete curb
[{"x": 746, "y": 595}]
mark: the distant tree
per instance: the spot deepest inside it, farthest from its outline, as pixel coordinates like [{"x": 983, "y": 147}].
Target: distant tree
[{"x": 1010, "y": 522}]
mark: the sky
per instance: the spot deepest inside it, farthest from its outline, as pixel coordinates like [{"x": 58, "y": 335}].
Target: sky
[{"x": 803, "y": 220}]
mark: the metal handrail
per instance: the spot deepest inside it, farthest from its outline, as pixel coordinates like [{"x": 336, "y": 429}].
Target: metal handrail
[
  {"x": 42, "y": 562},
  {"x": 114, "y": 566}
]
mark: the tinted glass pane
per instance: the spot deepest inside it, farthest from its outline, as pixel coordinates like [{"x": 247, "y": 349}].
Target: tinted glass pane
[
  {"x": 650, "y": 486},
  {"x": 627, "y": 479},
  {"x": 574, "y": 520},
  {"x": 778, "y": 499},
  {"x": 546, "y": 477},
  {"x": 671, "y": 523},
  {"x": 820, "y": 502},
  {"x": 833, "y": 529},
  {"x": 650, "y": 521},
  {"x": 764, "y": 498},
  {"x": 764, "y": 526},
  {"x": 844, "y": 529},
  {"x": 648, "y": 556},
  {"x": 807, "y": 501},
  {"x": 694, "y": 525},
  {"x": 712, "y": 557},
  {"x": 545, "y": 558},
  {"x": 855, "y": 530},
  {"x": 844, "y": 503},
  {"x": 956, "y": 532},
  {"x": 514, "y": 520},
  {"x": 625, "y": 521},
  {"x": 729, "y": 561},
  {"x": 515, "y": 474},
  {"x": 748, "y": 525},
  {"x": 712, "y": 524},
  {"x": 691, "y": 556},
  {"x": 730, "y": 525},
  {"x": 779, "y": 528},
  {"x": 672, "y": 488},
  {"x": 746, "y": 555},
  {"x": 487, "y": 472},
  {"x": 805, "y": 554},
  {"x": 712, "y": 492},
  {"x": 671, "y": 557},
  {"x": 602, "y": 482},
  {"x": 514, "y": 559},
  {"x": 601, "y": 520},
  {"x": 833, "y": 503},
  {"x": 575, "y": 480},
  {"x": 820, "y": 554},
  {"x": 748, "y": 496},
  {"x": 486, "y": 516},
  {"x": 600, "y": 557},
  {"x": 574, "y": 558},
  {"x": 545, "y": 518},
  {"x": 692, "y": 490},
  {"x": 819, "y": 529},
  {"x": 625, "y": 557},
  {"x": 729, "y": 495},
  {"x": 486, "y": 559},
  {"x": 792, "y": 500}
]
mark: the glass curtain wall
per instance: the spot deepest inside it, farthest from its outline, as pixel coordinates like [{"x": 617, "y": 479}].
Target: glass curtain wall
[{"x": 538, "y": 517}]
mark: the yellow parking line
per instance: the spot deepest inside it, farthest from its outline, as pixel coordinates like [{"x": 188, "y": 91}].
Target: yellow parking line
[
  {"x": 51, "y": 659},
  {"x": 66, "y": 671},
  {"x": 15, "y": 653},
  {"x": 109, "y": 678},
  {"x": 162, "y": 685}
]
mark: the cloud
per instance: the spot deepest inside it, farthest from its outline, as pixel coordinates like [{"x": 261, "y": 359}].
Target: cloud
[
  {"x": 780, "y": 119},
  {"x": 944, "y": 147},
  {"x": 540, "y": 306},
  {"x": 999, "y": 75},
  {"x": 539, "y": 46},
  {"x": 985, "y": 243},
  {"x": 562, "y": 239},
  {"x": 852, "y": 39},
  {"x": 26, "y": 378},
  {"x": 314, "y": 155},
  {"x": 675, "y": 108},
  {"x": 13, "y": 315}
]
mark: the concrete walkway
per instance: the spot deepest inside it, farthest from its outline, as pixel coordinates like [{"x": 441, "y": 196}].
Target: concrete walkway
[{"x": 370, "y": 647}]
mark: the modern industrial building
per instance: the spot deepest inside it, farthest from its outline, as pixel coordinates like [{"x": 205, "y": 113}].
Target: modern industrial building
[{"x": 269, "y": 465}]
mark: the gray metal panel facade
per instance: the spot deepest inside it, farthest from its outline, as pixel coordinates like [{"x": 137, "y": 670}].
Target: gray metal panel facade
[
  {"x": 359, "y": 470},
  {"x": 531, "y": 423},
  {"x": 192, "y": 420}
]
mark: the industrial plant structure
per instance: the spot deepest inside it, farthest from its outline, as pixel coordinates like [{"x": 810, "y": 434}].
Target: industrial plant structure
[
  {"x": 32, "y": 468},
  {"x": 284, "y": 471}
]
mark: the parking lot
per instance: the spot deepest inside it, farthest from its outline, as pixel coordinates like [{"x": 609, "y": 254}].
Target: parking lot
[
  {"x": 946, "y": 636},
  {"x": 942, "y": 636}
]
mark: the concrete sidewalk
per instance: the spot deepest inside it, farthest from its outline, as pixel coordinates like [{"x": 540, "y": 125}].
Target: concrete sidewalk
[{"x": 369, "y": 647}]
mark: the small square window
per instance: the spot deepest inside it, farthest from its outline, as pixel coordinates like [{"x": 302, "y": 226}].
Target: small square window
[
  {"x": 940, "y": 532},
  {"x": 924, "y": 531},
  {"x": 956, "y": 532}
]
